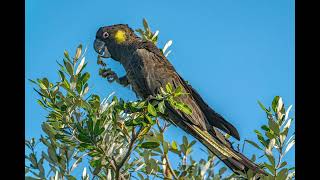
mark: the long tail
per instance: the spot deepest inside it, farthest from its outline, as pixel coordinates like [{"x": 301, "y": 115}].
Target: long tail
[{"x": 233, "y": 159}]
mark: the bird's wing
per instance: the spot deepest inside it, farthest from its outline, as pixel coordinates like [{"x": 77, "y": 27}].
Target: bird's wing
[
  {"x": 158, "y": 72},
  {"x": 161, "y": 71},
  {"x": 214, "y": 118}
]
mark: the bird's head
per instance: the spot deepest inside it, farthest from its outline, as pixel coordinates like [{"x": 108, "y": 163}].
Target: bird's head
[{"x": 110, "y": 39}]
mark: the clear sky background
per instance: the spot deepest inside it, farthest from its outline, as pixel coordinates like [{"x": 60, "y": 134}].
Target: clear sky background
[{"x": 233, "y": 52}]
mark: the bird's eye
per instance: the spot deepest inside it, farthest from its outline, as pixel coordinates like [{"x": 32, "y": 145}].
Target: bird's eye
[{"x": 105, "y": 35}]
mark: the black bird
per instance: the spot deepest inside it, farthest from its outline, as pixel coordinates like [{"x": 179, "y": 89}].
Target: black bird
[{"x": 147, "y": 69}]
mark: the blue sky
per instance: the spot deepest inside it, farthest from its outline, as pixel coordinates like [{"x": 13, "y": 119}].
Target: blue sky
[{"x": 233, "y": 52}]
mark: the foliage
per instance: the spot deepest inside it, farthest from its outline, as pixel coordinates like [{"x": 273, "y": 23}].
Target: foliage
[
  {"x": 274, "y": 141},
  {"x": 147, "y": 34},
  {"x": 115, "y": 139}
]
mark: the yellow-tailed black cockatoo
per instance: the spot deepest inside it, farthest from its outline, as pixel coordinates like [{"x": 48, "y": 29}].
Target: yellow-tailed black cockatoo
[{"x": 147, "y": 69}]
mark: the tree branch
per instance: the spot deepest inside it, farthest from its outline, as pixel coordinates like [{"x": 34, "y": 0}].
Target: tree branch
[
  {"x": 170, "y": 167},
  {"x": 165, "y": 155},
  {"x": 130, "y": 148}
]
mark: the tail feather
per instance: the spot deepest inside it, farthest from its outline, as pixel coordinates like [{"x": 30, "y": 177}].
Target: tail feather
[
  {"x": 213, "y": 118},
  {"x": 233, "y": 159}
]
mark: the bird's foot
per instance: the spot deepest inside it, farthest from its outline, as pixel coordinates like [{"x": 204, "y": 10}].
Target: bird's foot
[{"x": 109, "y": 74}]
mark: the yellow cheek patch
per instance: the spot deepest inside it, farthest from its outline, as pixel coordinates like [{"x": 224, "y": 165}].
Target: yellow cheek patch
[{"x": 120, "y": 36}]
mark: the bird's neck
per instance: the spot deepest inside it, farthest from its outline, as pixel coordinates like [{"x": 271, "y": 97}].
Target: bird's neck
[{"x": 122, "y": 53}]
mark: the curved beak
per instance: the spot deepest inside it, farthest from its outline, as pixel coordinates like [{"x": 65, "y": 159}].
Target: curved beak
[{"x": 101, "y": 48}]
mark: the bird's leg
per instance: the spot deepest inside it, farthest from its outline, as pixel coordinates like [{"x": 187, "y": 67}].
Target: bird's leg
[
  {"x": 112, "y": 76},
  {"x": 123, "y": 81}
]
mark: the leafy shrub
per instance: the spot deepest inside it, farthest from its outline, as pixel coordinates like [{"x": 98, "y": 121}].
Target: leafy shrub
[{"x": 115, "y": 139}]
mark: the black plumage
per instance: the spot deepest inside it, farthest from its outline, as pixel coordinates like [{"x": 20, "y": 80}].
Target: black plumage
[{"x": 147, "y": 69}]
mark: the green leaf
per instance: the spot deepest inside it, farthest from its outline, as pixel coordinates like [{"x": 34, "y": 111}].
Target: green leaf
[
  {"x": 97, "y": 129},
  {"x": 185, "y": 141},
  {"x": 90, "y": 125},
  {"x": 274, "y": 126},
  {"x": 70, "y": 177},
  {"x": 78, "y": 52},
  {"x": 265, "y": 127},
  {"x": 95, "y": 162},
  {"x": 131, "y": 122},
  {"x": 42, "y": 86},
  {"x": 269, "y": 167},
  {"x": 69, "y": 67},
  {"x": 94, "y": 101},
  {"x": 41, "y": 104},
  {"x": 145, "y": 25},
  {"x": 66, "y": 54},
  {"x": 85, "y": 77},
  {"x": 258, "y": 133},
  {"x": 79, "y": 87},
  {"x": 270, "y": 134},
  {"x": 152, "y": 110},
  {"x": 85, "y": 89},
  {"x": 48, "y": 129},
  {"x": 149, "y": 119},
  {"x": 163, "y": 92},
  {"x": 52, "y": 154},
  {"x": 62, "y": 76},
  {"x": 32, "y": 159},
  {"x": 263, "y": 107},
  {"x": 174, "y": 145},
  {"x": 261, "y": 138},
  {"x": 253, "y": 158},
  {"x": 82, "y": 137},
  {"x": 183, "y": 107},
  {"x": 282, "y": 174},
  {"x": 45, "y": 81},
  {"x": 275, "y": 103},
  {"x": 66, "y": 86},
  {"x": 271, "y": 159},
  {"x": 282, "y": 164},
  {"x": 140, "y": 31},
  {"x": 32, "y": 81},
  {"x": 140, "y": 104},
  {"x": 39, "y": 92},
  {"x": 192, "y": 143},
  {"x": 254, "y": 144},
  {"x": 169, "y": 88},
  {"x": 97, "y": 170},
  {"x": 292, "y": 168},
  {"x": 161, "y": 107},
  {"x": 149, "y": 145},
  {"x": 178, "y": 91}
]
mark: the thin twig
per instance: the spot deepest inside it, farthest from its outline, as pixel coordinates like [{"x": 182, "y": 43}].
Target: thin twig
[
  {"x": 169, "y": 166},
  {"x": 162, "y": 129},
  {"x": 130, "y": 148}
]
